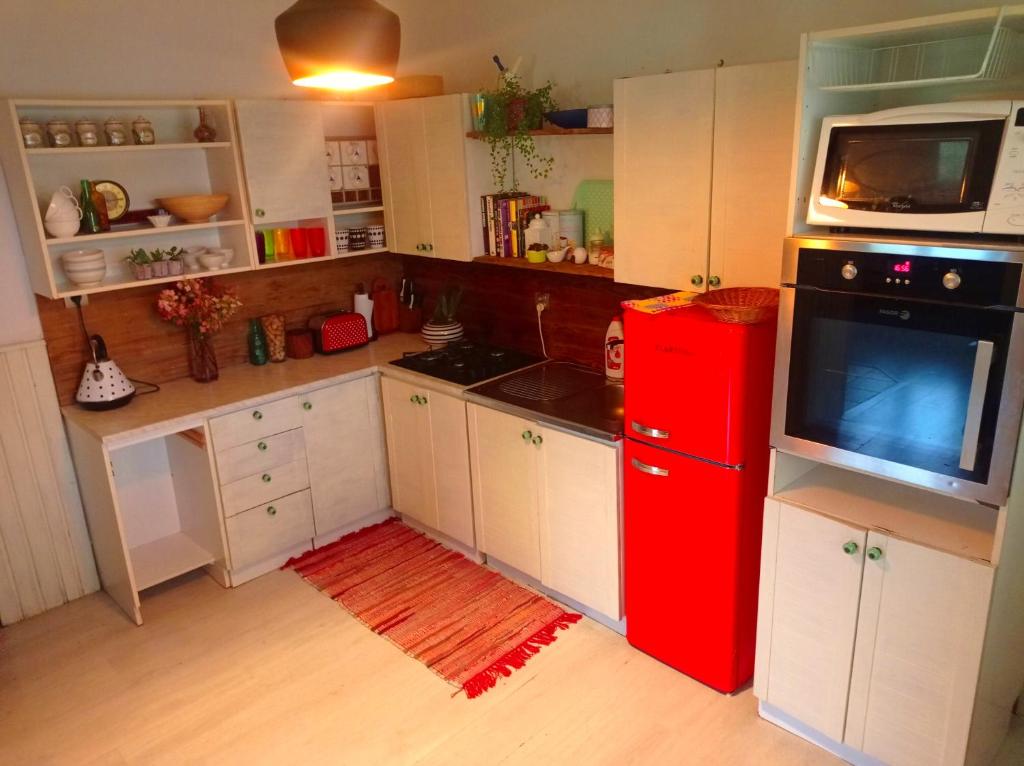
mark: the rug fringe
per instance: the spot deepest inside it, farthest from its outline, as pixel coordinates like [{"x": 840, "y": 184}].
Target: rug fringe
[{"x": 517, "y": 657}]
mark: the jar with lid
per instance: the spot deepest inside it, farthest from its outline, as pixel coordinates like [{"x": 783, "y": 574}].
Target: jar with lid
[
  {"x": 538, "y": 233},
  {"x": 142, "y": 131},
  {"x": 88, "y": 133},
  {"x": 31, "y": 133},
  {"x": 115, "y": 131},
  {"x": 58, "y": 133}
]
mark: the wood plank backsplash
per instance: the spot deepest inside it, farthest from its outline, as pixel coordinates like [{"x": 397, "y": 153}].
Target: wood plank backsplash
[
  {"x": 498, "y": 306},
  {"x": 147, "y": 348}
]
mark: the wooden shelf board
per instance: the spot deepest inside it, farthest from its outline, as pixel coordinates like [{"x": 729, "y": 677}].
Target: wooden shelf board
[
  {"x": 141, "y": 231},
  {"x": 553, "y": 131},
  {"x": 569, "y": 269},
  {"x": 321, "y": 259},
  {"x": 168, "y": 557},
  {"x": 51, "y": 151},
  {"x": 338, "y": 210},
  {"x": 956, "y": 526},
  {"x": 67, "y": 292}
]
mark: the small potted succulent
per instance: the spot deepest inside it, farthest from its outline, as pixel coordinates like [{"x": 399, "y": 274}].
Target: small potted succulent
[
  {"x": 175, "y": 264},
  {"x": 159, "y": 264},
  {"x": 510, "y": 113},
  {"x": 141, "y": 264},
  {"x": 444, "y": 328}
]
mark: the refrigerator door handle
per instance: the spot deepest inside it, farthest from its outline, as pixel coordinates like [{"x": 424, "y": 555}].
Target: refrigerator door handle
[
  {"x": 653, "y": 470},
  {"x": 655, "y": 433}
]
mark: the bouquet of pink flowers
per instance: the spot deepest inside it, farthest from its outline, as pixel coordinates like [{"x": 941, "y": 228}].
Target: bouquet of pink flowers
[{"x": 197, "y": 305}]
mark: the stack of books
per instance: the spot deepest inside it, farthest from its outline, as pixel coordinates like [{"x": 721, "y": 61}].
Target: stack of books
[{"x": 504, "y": 218}]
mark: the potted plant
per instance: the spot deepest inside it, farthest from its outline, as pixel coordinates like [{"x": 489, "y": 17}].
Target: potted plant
[
  {"x": 141, "y": 264},
  {"x": 510, "y": 113},
  {"x": 444, "y": 328},
  {"x": 159, "y": 264},
  {"x": 175, "y": 265}
]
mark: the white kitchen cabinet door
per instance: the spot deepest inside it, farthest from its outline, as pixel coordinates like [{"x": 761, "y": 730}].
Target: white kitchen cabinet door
[
  {"x": 450, "y": 453},
  {"x": 404, "y": 176},
  {"x": 505, "y": 487},
  {"x": 283, "y": 152},
  {"x": 444, "y": 121},
  {"x": 410, "y": 458},
  {"x": 755, "y": 108},
  {"x": 664, "y": 128},
  {"x": 345, "y": 452},
  {"x": 811, "y": 616},
  {"x": 579, "y": 520},
  {"x": 919, "y": 642}
]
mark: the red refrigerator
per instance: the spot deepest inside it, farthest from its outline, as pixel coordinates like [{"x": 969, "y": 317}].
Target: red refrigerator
[{"x": 697, "y": 410}]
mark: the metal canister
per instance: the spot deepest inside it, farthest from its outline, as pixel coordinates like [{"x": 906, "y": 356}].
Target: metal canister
[{"x": 570, "y": 227}]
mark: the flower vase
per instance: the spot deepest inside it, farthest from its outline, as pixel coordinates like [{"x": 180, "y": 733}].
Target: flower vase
[
  {"x": 440, "y": 334},
  {"x": 202, "y": 361}
]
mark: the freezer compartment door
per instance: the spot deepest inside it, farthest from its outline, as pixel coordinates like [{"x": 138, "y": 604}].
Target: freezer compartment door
[{"x": 691, "y": 559}]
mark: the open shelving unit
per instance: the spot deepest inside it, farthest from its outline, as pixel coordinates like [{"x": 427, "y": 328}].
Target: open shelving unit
[{"x": 567, "y": 269}]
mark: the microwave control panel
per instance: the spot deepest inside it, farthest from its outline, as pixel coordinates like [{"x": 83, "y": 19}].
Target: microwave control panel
[{"x": 1005, "y": 213}]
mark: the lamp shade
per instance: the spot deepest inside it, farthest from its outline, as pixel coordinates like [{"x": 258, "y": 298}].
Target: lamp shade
[{"x": 339, "y": 44}]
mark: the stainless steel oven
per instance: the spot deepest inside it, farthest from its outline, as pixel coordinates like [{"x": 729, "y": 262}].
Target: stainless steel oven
[{"x": 902, "y": 360}]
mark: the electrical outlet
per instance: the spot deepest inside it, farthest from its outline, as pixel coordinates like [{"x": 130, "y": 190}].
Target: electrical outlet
[{"x": 543, "y": 300}]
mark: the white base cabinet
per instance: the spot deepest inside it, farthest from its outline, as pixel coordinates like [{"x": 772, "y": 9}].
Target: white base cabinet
[
  {"x": 547, "y": 504},
  {"x": 869, "y": 639}
]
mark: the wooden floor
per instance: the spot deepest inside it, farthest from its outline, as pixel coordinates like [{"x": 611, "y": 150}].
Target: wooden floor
[{"x": 274, "y": 672}]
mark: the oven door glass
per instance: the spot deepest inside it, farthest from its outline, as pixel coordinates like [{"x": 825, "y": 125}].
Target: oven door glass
[
  {"x": 912, "y": 383},
  {"x": 940, "y": 168}
]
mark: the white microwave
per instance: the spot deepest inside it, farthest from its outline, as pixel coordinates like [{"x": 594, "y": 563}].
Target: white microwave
[{"x": 955, "y": 167}]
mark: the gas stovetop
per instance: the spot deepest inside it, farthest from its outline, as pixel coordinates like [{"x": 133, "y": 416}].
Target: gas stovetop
[{"x": 466, "y": 363}]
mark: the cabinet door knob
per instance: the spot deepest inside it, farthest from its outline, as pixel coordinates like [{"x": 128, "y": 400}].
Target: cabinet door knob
[
  {"x": 307, "y": 406},
  {"x": 419, "y": 246},
  {"x": 262, "y": 446},
  {"x": 257, "y": 415},
  {"x": 430, "y": 246},
  {"x": 271, "y": 510},
  {"x": 260, "y": 212},
  {"x": 413, "y": 399},
  {"x": 696, "y": 280},
  {"x": 874, "y": 553},
  {"x": 850, "y": 547},
  {"x": 527, "y": 435},
  {"x": 266, "y": 478},
  {"x": 423, "y": 400},
  {"x": 538, "y": 440},
  {"x": 714, "y": 281}
]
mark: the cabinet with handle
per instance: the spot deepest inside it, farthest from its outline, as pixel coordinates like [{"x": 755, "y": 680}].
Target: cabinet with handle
[
  {"x": 547, "y": 503},
  {"x": 872, "y": 640}
]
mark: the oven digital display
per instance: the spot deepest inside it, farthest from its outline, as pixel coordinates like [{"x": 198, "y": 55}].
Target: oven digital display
[{"x": 901, "y": 268}]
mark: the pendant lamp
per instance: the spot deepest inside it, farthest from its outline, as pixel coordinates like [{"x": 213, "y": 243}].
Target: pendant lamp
[{"x": 339, "y": 44}]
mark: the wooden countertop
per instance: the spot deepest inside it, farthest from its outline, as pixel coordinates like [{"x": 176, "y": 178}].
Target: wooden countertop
[{"x": 183, "y": 404}]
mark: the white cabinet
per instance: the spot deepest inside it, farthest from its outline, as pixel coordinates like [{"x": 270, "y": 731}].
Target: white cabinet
[
  {"x": 344, "y": 437},
  {"x": 871, "y": 640},
  {"x": 547, "y": 503},
  {"x": 422, "y": 145},
  {"x": 283, "y": 152},
  {"x": 428, "y": 458},
  {"x": 702, "y": 160}
]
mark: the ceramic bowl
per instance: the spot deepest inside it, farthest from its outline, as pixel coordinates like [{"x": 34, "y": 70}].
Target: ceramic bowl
[
  {"x": 227, "y": 252},
  {"x": 191, "y": 257},
  {"x": 211, "y": 261},
  {"x": 159, "y": 221},
  {"x": 194, "y": 208},
  {"x": 558, "y": 254},
  {"x": 62, "y": 227},
  {"x": 80, "y": 257},
  {"x": 536, "y": 256},
  {"x": 86, "y": 277},
  {"x": 71, "y": 268}
]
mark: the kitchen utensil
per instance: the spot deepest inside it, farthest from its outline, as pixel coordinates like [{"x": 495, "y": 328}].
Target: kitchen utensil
[
  {"x": 159, "y": 221},
  {"x": 740, "y": 305},
  {"x": 211, "y": 261},
  {"x": 600, "y": 116},
  {"x": 298, "y": 344},
  {"x": 103, "y": 386},
  {"x": 385, "y": 306},
  {"x": 194, "y": 208},
  {"x": 338, "y": 331},
  {"x": 569, "y": 119}
]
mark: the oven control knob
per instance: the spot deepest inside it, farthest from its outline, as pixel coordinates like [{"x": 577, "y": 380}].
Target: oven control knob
[
  {"x": 951, "y": 280},
  {"x": 849, "y": 271}
]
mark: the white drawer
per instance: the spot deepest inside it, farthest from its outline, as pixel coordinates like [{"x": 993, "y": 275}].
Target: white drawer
[
  {"x": 260, "y": 532},
  {"x": 255, "y": 423},
  {"x": 258, "y": 456},
  {"x": 264, "y": 486}
]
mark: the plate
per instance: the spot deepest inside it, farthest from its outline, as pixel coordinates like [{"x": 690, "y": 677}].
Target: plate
[{"x": 116, "y": 197}]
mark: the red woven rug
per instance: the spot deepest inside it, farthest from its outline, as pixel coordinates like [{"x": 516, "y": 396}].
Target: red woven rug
[{"x": 467, "y": 623}]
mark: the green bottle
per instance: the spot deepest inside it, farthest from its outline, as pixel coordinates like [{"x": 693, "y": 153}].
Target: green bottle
[
  {"x": 91, "y": 222},
  {"x": 257, "y": 343}
]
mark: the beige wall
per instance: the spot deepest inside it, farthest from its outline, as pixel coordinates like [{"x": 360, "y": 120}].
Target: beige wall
[{"x": 226, "y": 48}]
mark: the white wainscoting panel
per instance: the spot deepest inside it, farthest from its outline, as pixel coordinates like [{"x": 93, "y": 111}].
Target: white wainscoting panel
[{"x": 45, "y": 555}]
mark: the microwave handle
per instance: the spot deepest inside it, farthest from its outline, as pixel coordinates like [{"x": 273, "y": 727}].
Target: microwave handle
[{"x": 976, "y": 404}]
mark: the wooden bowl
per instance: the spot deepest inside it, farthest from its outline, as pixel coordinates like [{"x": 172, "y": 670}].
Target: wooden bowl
[
  {"x": 194, "y": 208},
  {"x": 741, "y": 305}
]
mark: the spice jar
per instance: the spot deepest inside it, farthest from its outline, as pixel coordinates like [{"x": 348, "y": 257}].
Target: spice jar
[
  {"x": 116, "y": 133},
  {"x": 142, "y": 132},
  {"x": 273, "y": 331},
  {"x": 31, "y": 133},
  {"x": 88, "y": 133},
  {"x": 58, "y": 133}
]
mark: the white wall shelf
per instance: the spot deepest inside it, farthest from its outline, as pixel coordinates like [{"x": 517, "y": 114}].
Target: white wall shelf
[
  {"x": 340, "y": 210},
  {"x": 321, "y": 259},
  {"x": 143, "y": 230},
  {"x": 130, "y": 148}
]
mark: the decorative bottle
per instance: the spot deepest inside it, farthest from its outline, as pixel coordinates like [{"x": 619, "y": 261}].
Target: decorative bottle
[
  {"x": 101, "y": 208},
  {"x": 91, "y": 222},
  {"x": 257, "y": 343}
]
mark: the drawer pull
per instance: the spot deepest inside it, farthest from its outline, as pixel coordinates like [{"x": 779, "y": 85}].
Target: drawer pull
[
  {"x": 655, "y": 433},
  {"x": 423, "y": 400},
  {"x": 653, "y": 470},
  {"x": 307, "y": 406},
  {"x": 271, "y": 510},
  {"x": 266, "y": 478},
  {"x": 874, "y": 553},
  {"x": 262, "y": 446},
  {"x": 257, "y": 415},
  {"x": 538, "y": 440},
  {"x": 527, "y": 435},
  {"x": 850, "y": 547},
  {"x": 413, "y": 399}
]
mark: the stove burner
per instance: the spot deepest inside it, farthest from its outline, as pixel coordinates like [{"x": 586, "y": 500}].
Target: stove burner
[
  {"x": 496, "y": 353},
  {"x": 428, "y": 356},
  {"x": 465, "y": 362}
]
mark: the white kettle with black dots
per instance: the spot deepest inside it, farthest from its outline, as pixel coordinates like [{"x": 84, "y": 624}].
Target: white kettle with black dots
[{"x": 103, "y": 386}]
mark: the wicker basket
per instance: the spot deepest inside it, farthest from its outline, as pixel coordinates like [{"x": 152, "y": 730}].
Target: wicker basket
[{"x": 741, "y": 305}]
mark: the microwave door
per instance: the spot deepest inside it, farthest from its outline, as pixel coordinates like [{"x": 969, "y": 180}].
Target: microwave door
[{"x": 976, "y": 404}]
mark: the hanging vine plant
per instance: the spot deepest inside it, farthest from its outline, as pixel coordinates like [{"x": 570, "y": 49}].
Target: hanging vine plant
[{"x": 510, "y": 113}]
